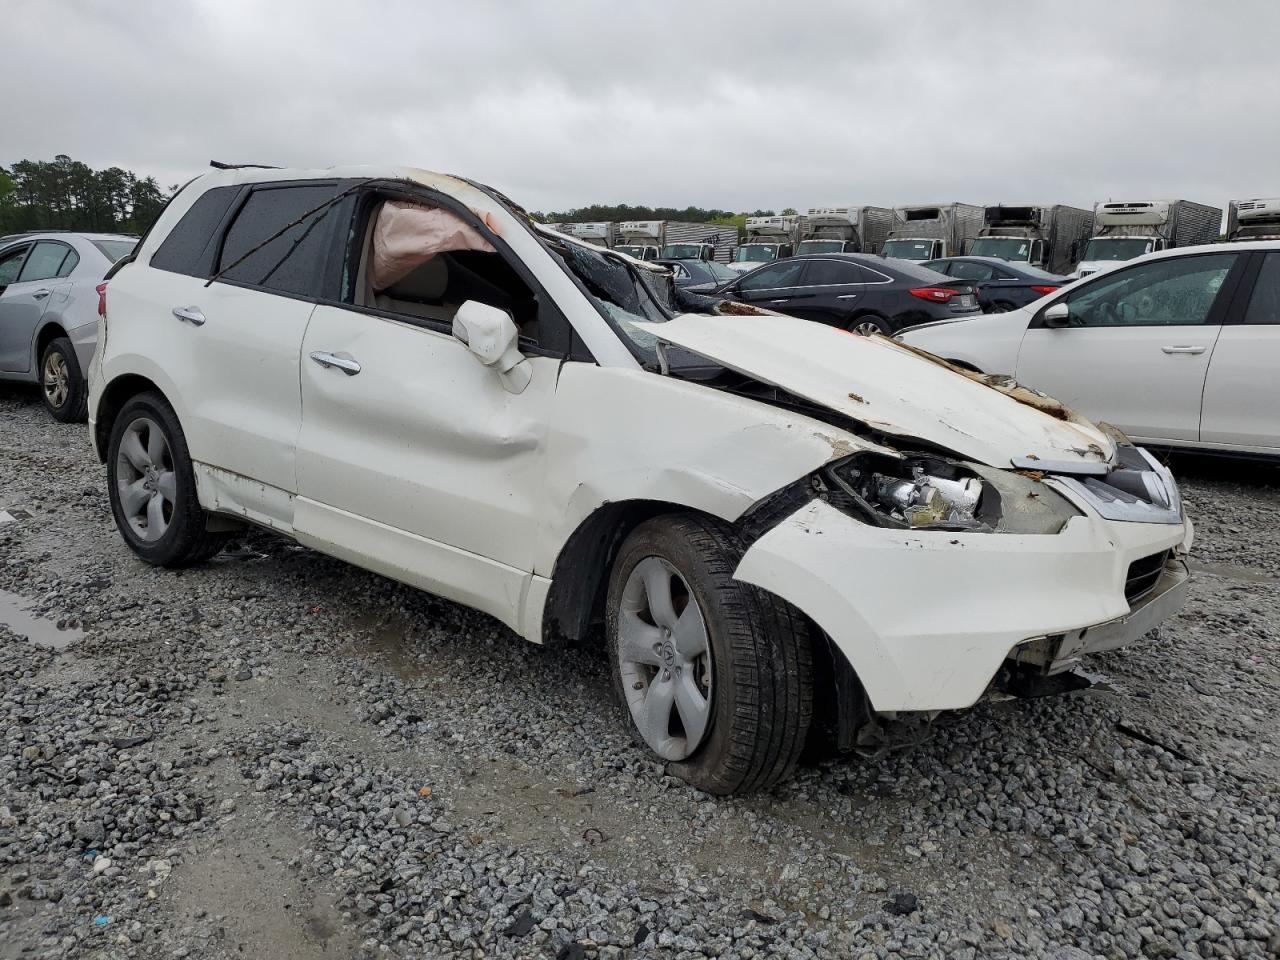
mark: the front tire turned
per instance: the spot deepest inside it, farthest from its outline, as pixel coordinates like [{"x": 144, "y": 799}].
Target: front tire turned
[
  {"x": 152, "y": 486},
  {"x": 715, "y": 674}
]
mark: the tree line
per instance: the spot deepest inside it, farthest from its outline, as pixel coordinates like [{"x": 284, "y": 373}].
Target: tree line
[{"x": 65, "y": 194}]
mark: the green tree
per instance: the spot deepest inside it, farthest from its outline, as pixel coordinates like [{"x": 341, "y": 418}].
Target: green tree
[{"x": 66, "y": 194}]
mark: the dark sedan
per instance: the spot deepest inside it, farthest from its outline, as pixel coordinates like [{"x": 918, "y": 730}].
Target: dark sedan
[
  {"x": 857, "y": 292},
  {"x": 699, "y": 276},
  {"x": 1002, "y": 286}
]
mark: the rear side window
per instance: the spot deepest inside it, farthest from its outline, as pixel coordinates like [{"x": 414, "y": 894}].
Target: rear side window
[
  {"x": 69, "y": 263},
  {"x": 1264, "y": 303},
  {"x": 45, "y": 261},
  {"x": 189, "y": 246},
  {"x": 831, "y": 273},
  {"x": 294, "y": 261}
]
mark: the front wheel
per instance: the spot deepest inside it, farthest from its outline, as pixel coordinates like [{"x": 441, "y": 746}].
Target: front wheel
[
  {"x": 62, "y": 386},
  {"x": 152, "y": 486},
  {"x": 716, "y": 674}
]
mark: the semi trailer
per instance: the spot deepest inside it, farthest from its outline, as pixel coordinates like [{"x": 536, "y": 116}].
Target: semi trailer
[
  {"x": 677, "y": 240},
  {"x": 845, "y": 229},
  {"x": 931, "y": 231},
  {"x": 600, "y": 233},
  {"x": 1124, "y": 230},
  {"x": 1050, "y": 236},
  {"x": 1256, "y": 219},
  {"x": 768, "y": 239}
]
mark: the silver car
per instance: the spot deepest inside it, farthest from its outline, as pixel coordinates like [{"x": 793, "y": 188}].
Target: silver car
[{"x": 49, "y": 311}]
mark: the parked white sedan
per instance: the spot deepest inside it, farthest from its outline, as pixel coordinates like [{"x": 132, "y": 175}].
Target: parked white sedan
[
  {"x": 779, "y": 531},
  {"x": 1179, "y": 348}
]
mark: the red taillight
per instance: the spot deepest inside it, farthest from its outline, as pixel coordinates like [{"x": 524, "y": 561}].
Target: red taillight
[
  {"x": 935, "y": 294},
  {"x": 102, "y": 299},
  {"x": 1043, "y": 291}
]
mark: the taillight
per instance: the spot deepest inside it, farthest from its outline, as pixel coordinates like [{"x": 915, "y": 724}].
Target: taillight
[
  {"x": 102, "y": 299},
  {"x": 934, "y": 294},
  {"x": 1044, "y": 290}
]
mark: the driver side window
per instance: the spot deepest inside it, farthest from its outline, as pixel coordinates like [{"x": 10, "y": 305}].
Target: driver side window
[
  {"x": 1175, "y": 292},
  {"x": 10, "y": 264}
]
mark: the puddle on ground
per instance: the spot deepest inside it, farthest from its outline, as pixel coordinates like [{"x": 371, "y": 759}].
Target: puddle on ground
[
  {"x": 41, "y": 632},
  {"x": 1230, "y": 572},
  {"x": 386, "y": 637}
]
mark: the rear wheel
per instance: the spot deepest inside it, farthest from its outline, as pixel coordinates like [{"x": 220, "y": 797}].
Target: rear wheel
[
  {"x": 152, "y": 486},
  {"x": 62, "y": 386},
  {"x": 715, "y": 674},
  {"x": 868, "y": 325}
]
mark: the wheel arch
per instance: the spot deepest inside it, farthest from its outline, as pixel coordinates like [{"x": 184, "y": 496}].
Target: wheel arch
[
  {"x": 114, "y": 396},
  {"x": 48, "y": 333}
]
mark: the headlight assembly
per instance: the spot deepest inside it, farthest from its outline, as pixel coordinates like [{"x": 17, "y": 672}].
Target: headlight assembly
[{"x": 927, "y": 492}]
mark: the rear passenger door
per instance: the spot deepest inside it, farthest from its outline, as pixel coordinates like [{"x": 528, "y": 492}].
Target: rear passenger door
[
  {"x": 24, "y": 301},
  {"x": 835, "y": 291},
  {"x": 231, "y": 346},
  {"x": 1242, "y": 390},
  {"x": 774, "y": 287}
]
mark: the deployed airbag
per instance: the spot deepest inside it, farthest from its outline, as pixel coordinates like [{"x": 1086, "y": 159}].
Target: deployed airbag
[{"x": 407, "y": 235}]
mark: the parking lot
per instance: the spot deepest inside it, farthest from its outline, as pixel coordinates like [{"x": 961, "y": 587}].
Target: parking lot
[{"x": 393, "y": 773}]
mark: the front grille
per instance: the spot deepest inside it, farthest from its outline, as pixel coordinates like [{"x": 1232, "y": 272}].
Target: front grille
[{"x": 1143, "y": 576}]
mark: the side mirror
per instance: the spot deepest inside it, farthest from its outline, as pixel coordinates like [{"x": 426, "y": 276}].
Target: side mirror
[
  {"x": 491, "y": 336},
  {"x": 1058, "y": 315}
]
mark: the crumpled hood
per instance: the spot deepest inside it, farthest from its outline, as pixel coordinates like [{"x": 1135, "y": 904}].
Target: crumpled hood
[{"x": 891, "y": 388}]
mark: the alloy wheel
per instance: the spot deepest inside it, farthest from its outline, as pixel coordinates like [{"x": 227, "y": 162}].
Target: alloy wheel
[
  {"x": 664, "y": 654},
  {"x": 145, "y": 480},
  {"x": 867, "y": 328},
  {"x": 56, "y": 380}
]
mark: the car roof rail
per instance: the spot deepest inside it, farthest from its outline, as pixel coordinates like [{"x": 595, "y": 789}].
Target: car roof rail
[{"x": 219, "y": 165}]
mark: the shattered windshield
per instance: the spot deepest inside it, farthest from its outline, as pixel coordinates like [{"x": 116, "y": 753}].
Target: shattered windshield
[{"x": 1121, "y": 248}]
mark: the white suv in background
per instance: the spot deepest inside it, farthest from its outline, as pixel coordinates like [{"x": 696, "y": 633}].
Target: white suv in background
[
  {"x": 401, "y": 369},
  {"x": 1179, "y": 348},
  {"x": 49, "y": 311}
]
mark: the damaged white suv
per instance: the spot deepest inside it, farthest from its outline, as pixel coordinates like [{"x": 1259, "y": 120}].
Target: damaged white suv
[{"x": 785, "y": 531}]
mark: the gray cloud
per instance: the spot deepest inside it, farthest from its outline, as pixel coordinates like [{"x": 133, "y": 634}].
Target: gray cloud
[{"x": 729, "y": 104}]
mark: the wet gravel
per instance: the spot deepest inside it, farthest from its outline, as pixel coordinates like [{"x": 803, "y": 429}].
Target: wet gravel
[{"x": 278, "y": 755}]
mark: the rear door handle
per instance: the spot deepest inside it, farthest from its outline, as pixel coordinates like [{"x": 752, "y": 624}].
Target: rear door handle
[
  {"x": 848, "y": 296},
  {"x": 783, "y": 300},
  {"x": 191, "y": 315},
  {"x": 41, "y": 293},
  {"x": 1186, "y": 349},
  {"x": 344, "y": 362}
]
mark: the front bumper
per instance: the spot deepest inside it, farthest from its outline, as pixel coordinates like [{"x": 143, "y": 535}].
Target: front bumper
[{"x": 926, "y": 619}]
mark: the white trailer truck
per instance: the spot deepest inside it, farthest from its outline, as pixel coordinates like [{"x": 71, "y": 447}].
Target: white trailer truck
[
  {"x": 601, "y": 233},
  {"x": 1051, "y": 236},
  {"x": 1124, "y": 230},
  {"x": 933, "y": 230},
  {"x": 1257, "y": 219},
  {"x": 677, "y": 240},
  {"x": 768, "y": 239},
  {"x": 845, "y": 229}
]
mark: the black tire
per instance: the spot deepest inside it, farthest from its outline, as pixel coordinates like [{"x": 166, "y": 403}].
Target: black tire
[
  {"x": 872, "y": 320},
  {"x": 762, "y": 697},
  {"x": 186, "y": 540},
  {"x": 73, "y": 393}
]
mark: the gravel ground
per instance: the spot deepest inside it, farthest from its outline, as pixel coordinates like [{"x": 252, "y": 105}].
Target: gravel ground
[{"x": 277, "y": 755}]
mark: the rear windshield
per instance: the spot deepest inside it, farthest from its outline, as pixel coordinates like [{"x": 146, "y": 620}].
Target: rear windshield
[
  {"x": 115, "y": 250},
  {"x": 911, "y": 270}
]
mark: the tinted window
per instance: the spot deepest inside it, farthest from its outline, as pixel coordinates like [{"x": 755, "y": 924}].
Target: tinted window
[
  {"x": 942, "y": 266},
  {"x": 10, "y": 264},
  {"x": 187, "y": 247},
  {"x": 45, "y": 261},
  {"x": 969, "y": 270},
  {"x": 829, "y": 273},
  {"x": 292, "y": 262},
  {"x": 1264, "y": 304},
  {"x": 69, "y": 263},
  {"x": 1177, "y": 292},
  {"x": 784, "y": 274}
]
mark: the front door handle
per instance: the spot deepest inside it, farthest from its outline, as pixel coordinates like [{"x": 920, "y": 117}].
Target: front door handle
[
  {"x": 41, "y": 293},
  {"x": 783, "y": 300},
  {"x": 344, "y": 362},
  {"x": 191, "y": 315},
  {"x": 848, "y": 296},
  {"x": 1186, "y": 349}
]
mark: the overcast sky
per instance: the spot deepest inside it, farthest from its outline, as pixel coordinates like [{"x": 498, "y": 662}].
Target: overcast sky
[{"x": 736, "y": 105}]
